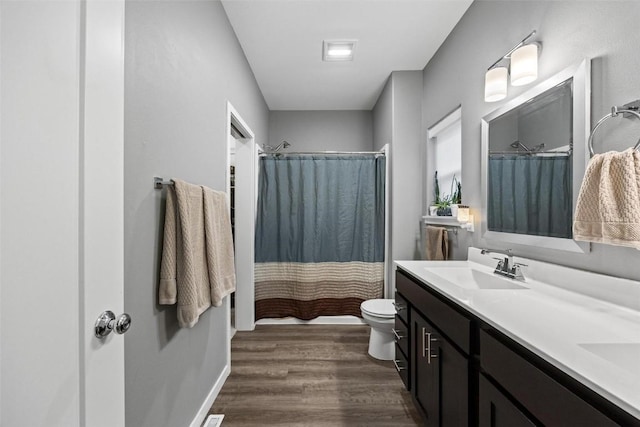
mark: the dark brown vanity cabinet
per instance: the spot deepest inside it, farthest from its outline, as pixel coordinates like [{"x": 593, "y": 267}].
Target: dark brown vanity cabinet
[
  {"x": 544, "y": 397},
  {"x": 402, "y": 338},
  {"x": 438, "y": 368},
  {"x": 441, "y": 375},
  {"x": 463, "y": 372}
]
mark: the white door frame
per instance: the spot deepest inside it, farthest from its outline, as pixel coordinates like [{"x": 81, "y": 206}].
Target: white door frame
[
  {"x": 245, "y": 208},
  {"x": 389, "y": 270},
  {"x": 102, "y": 218}
]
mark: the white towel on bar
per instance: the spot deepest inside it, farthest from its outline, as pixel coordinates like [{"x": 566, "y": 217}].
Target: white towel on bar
[
  {"x": 184, "y": 276},
  {"x": 220, "y": 258},
  {"x": 608, "y": 208}
]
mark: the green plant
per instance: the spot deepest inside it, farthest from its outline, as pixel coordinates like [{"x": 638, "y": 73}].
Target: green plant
[
  {"x": 436, "y": 189},
  {"x": 444, "y": 201},
  {"x": 456, "y": 191}
]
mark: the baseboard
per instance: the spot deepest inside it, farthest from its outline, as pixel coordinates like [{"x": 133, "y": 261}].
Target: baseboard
[
  {"x": 321, "y": 320},
  {"x": 208, "y": 402}
]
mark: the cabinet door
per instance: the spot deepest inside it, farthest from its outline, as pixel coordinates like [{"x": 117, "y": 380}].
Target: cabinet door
[
  {"x": 441, "y": 376},
  {"x": 496, "y": 410},
  {"x": 426, "y": 369}
]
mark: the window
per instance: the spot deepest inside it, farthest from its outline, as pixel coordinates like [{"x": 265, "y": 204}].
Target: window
[{"x": 444, "y": 154}]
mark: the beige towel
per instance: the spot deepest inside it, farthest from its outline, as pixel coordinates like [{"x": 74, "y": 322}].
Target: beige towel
[
  {"x": 184, "y": 276},
  {"x": 608, "y": 209},
  {"x": 437, "y": 244},
  {"x": 220, "y": 260}
]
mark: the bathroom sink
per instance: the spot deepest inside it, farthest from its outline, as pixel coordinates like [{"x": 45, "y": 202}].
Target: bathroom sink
[
  {"x": 469, "y": 278},
  {"x": 624, "y": 355}
]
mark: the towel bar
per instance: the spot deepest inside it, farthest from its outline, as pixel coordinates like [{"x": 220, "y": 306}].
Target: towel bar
[
  {"x": 159, "y": 183},
  {"x": 630, "y": 108}
]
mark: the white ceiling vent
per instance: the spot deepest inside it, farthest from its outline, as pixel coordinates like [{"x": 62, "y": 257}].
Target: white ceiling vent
[{"x": 338, "y": 50}]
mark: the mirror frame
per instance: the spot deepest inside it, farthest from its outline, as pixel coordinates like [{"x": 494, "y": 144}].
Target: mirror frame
[{"x": 581, "y": 104}]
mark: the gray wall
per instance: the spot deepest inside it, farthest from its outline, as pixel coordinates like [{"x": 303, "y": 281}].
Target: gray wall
[
  {"x": 397, "y": 118},
  {"x": 183, "y": 63},
  {"x": 407, "y": 158},
  {"x": 569, "y": 31},
  {"x": 383, "y": 117},
  {"x": 322, "y": 130}
]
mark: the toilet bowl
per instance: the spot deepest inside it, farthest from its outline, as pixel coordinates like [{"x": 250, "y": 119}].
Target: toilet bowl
[{"x": 380, "y": 315}]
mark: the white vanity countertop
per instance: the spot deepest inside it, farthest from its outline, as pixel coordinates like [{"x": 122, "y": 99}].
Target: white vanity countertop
[{"x": 569, "y": 323}]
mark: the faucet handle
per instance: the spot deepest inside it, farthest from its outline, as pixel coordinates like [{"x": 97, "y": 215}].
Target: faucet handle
[{"x": 516, "y": 271}]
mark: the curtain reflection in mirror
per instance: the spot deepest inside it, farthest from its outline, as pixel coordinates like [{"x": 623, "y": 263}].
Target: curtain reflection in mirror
[{"x": 530, "y": 194}]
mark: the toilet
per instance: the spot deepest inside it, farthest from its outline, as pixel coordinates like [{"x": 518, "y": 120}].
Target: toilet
[{"x": 380, "y": 315}]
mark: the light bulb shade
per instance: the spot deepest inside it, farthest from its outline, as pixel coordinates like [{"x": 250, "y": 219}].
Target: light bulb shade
[
  {"x": 463, "y": 213},
  {"x": 524, "y": 65},
  {"x": 495, "y": 84}
]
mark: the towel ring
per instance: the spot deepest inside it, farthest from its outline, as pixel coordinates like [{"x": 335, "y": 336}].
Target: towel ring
[{"x": 614, "y": 112}]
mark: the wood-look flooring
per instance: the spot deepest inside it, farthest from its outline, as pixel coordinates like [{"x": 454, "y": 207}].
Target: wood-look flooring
[{"x": 311, "y": 375}]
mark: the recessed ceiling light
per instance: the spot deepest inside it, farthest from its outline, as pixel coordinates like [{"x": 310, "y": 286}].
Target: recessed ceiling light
[{"x": 338, "y": 50}]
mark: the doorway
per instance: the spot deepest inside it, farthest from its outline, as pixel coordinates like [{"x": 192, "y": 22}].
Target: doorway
[{"x": 241, "y": 179}]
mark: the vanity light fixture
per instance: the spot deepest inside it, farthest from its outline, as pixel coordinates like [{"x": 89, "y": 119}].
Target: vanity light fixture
[
  {"x": 524, "y": 65},
  {"x": 338, "y": 50},
  {"x": 495, "y": 84},
  {"x": 523, "y": 59}
]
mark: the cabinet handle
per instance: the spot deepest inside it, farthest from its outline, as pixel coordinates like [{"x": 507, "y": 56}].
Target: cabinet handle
[
  {"x": 399, "y": 307},
  {"x": 398, "y": 367},
  {"x": 427, "y": 349},
  {"x": 397, "y": 335}
]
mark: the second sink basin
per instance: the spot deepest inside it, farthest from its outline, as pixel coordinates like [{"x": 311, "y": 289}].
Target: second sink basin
[
  {"x": 624, "y": 355},
  {"x": 469, "y": 278}
]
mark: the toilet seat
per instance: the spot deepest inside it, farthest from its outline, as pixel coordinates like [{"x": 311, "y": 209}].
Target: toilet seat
[{"x": 381, "y": 308}]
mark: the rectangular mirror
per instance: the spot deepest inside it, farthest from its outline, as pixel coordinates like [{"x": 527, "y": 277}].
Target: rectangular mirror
[{"x": 534, "y": 156}]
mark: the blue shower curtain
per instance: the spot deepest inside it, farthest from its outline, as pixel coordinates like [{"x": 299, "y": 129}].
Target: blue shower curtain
[
  {"x": 319, "y": 234},
  {"x": 530, "y": 195}
]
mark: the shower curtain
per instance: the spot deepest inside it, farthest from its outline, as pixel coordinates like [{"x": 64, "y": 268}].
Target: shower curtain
[
  {"x": 319, "y": 235},
  {"x": 530, "y": 195}
]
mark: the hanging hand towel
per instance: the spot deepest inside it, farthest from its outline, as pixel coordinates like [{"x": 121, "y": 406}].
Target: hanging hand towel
[
  {"x": 437, "y": 244},
  {"x": 220, "y": 259},
  {"x": 608, "y": 209},
  {"x": 184, "y": 277}
]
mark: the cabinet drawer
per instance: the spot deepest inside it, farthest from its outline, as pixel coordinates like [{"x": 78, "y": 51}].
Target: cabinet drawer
[
  {"x": 402, "y": 335},
  {"x": 402, "y": 366},
  {"x": 544, "y": 397},
  {"x": 451, "y": 322},
  {"x": 402, "y": 308}
]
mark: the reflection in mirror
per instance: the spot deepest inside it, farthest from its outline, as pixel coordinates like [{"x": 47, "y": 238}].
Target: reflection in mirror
[
  {"x": 530, "y": 158},
  {"x": 533, "y": 160}
]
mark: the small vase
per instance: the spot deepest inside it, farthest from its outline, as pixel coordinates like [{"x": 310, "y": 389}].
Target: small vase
[{"x": 433, "y": 210}]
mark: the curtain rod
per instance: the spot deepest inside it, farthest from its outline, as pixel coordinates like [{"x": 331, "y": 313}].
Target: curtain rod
[
  {"x": 381, "y": 153},
  {"x": 532, "y": 153}
]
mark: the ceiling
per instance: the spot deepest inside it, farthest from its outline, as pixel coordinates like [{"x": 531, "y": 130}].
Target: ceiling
[{"x": 282, "y": 40}]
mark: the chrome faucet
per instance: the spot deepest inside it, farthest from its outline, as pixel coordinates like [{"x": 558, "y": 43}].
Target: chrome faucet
[{"x": 506, "y": 267}]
